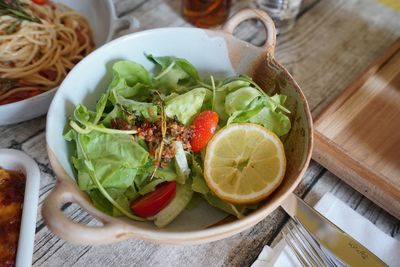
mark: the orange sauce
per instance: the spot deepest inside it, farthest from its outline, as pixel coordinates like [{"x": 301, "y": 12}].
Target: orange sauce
[
  {"x": 206, "y": 13},
  {"x": 12, "y": 188}
]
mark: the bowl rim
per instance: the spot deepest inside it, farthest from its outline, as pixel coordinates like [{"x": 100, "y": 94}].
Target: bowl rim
[
  {"x": 17, "y": 160},
  {"x": 215, "y": 232}
]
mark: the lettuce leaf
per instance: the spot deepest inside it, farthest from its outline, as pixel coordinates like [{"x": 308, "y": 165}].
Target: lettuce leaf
[
  {"x": 115, "y": 159},
  {"x": 265, "y": 111},
  {"x": 186, "y": 106},
  {"x": 165, "y": 174},
  {"x": 144, "y": 110},
  {"x": 100, "y": 202},
  {"x": 116, "y": 112},
  {"x": 122, "y": 197},
  {"x": 181, "y": 164},
  {"x": 239, "y": 100},
  {"x": 220, "y": 95},
  {"x": 130, "y": 79},
  {"x": 174, "y": 74}
]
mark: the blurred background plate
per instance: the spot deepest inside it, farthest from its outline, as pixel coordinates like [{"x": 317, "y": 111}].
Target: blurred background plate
[{"x": 104, "y": 23}]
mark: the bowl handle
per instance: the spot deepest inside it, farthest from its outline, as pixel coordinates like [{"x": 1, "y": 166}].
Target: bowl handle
[
  {"x": 66, "y": 192},
  {"x": 127, "y": 22},
  {"x": 246, "y": 14}
]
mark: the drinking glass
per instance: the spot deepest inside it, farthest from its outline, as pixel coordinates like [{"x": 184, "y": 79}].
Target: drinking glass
[
  {"x": 206, "y": 13},
  {"x": 282, "y": 12}
]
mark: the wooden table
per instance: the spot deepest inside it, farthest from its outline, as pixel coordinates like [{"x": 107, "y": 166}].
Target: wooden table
[{"x": 331, "y": 44}]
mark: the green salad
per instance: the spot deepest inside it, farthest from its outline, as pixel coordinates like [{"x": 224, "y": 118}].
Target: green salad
[{"x": 140, "y": 152}]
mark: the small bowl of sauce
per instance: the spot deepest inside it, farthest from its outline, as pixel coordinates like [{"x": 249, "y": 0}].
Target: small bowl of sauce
[
  {"x": 19, "y": 190},
  {"x": 12, "y": 188}
]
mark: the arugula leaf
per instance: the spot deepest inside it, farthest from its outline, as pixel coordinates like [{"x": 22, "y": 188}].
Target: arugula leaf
[
  {"x": 87, "y": 119},
  {"x": 100, "y": 106}
]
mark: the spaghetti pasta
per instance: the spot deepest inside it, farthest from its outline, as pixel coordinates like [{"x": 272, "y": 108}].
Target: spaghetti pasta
[{"x": 35, "y": 57}]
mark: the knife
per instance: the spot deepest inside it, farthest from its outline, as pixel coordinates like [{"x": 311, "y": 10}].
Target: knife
[{"x": 335, "y": 240}]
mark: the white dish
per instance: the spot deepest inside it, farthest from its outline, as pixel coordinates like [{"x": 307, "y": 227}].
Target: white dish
[
  {"x": 15, "y": 160},
  {"x": 104, "y": 23}
]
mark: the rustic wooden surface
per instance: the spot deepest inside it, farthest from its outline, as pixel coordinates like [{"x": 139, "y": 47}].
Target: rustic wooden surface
[
  {"x": 331, "y": 44},
  {"x": 356, "y": 136}
]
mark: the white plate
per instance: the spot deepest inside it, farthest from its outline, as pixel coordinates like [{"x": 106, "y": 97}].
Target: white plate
[
  {"x": 104, "y": 23},
  {"x": 15, "y": 160}
]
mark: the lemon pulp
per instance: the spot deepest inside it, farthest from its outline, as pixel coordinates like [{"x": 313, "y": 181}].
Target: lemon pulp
[{"x": 244, "y": 163}]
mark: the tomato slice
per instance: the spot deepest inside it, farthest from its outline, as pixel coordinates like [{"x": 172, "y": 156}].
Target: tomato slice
[
  {"x": 153, "y": 202},
  {"x": 204, "y": 125},
  {"x": 40, "y": 2},
  {"x": 20, "y": 96}
]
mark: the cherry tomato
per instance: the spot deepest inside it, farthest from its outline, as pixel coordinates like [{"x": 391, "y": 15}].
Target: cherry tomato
[
  {"x": 40, "y": 2},
  {"x": 204, "y": 125},
  {"x": 153, "y": 202},
  {"x": 20, "y": 96}
]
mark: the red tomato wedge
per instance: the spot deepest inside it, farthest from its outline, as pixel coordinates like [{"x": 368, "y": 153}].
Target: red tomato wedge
[
  {"x": 40, "y": 2},
  {"x": 153, "y": 202},
  {"x": 204, "y": 125},
  {"x": 20, "y": 96}
]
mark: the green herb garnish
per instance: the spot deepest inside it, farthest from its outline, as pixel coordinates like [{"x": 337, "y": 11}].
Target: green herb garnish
[
  {"x": 7, "y": 84},
  {"x": 15, "y": 9}
]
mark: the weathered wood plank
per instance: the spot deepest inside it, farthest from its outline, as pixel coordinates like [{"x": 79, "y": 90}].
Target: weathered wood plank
[
  {"x": 333, "y": 43},
  {"x": 12, "y": 136}
]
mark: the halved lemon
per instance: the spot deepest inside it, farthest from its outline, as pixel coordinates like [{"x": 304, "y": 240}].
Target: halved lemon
[{"x": 244, "y": 163}]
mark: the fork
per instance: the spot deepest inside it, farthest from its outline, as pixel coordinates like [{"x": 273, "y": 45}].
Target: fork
[{"x": 305, "y": 247}]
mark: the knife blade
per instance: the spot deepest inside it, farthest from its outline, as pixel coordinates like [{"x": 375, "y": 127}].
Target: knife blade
[{"x": 344, "y": 247}]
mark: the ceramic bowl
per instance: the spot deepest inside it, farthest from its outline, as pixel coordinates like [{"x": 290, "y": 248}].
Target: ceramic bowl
[
  {"x": 15, "y": 160},
  {"x": 212, "y": 52},
  {"x": 104, "y": 24}
]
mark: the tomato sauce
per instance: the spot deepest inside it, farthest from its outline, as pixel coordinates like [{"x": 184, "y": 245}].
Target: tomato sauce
[{"x": 12, "y": 188}]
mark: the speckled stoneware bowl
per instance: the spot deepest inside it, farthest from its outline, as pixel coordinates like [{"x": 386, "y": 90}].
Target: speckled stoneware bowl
[{"x": 212, "y": 52}]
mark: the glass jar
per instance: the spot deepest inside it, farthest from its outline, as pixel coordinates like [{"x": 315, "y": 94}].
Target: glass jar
[
  {"x": 282, "y": 12},
  {"x": 206, "y": 13}
]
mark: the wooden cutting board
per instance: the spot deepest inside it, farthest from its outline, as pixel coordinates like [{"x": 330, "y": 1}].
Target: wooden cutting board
[{"x": 358, "y": 136}]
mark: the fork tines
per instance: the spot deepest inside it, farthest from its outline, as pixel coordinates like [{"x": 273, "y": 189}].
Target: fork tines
[{"x": 305, "y": 247}]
